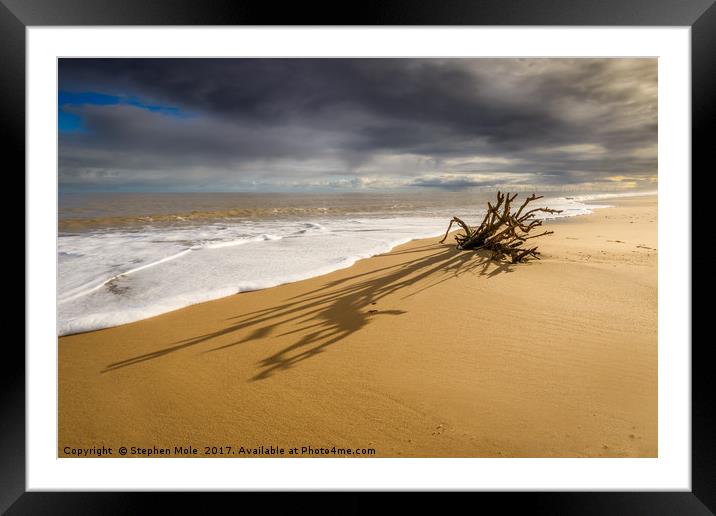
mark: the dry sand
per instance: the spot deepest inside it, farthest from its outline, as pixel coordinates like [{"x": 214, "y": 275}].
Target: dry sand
[{"x": 423, "y": 351}]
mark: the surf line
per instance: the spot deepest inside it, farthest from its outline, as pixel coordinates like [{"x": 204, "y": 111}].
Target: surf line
[{"x": 126, "y": 273}]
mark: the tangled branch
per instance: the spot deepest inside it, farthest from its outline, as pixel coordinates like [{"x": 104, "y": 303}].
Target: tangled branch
[{"x": 502, "y": 231}]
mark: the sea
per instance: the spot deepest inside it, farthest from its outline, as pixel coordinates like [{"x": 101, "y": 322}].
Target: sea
[{"x": 123, "y": 257}]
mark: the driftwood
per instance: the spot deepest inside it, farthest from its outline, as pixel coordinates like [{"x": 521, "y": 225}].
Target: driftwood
[{"x": 502, "y": 231}]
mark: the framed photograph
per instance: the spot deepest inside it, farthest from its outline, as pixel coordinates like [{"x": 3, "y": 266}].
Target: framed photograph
[{"x": 413, "y": 249}]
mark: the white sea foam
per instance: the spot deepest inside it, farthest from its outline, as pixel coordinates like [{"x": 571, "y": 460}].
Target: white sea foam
[
  {"x": 613, "y": 195},
  {"x": 114, "y": 276}
]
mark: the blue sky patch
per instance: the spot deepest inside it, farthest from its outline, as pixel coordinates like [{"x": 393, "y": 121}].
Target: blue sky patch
[{"x": 70, "y": 122}]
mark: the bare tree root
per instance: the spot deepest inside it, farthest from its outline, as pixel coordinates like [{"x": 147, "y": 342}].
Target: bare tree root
[{"x": 502, "y": 231}]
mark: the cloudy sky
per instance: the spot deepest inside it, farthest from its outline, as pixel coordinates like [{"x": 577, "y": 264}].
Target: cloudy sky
[{"x": 356, "y": 124}]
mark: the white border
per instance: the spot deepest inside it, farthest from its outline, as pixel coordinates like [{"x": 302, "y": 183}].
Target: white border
[{"x": 672, "y": 470}]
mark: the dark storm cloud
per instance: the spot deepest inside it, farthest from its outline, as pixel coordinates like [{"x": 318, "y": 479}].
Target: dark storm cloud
[{"x": 405, "y": 121}]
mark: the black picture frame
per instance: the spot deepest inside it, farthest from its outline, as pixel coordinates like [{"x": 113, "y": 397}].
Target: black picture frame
[{"x": 700, "y": 15}]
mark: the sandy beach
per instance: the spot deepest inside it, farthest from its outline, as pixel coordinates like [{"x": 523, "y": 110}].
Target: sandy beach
[{"x": 424, "y": 351}]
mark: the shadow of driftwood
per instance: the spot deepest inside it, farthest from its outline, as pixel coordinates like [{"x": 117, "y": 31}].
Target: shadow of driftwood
[{"x": 325, "y": 316}]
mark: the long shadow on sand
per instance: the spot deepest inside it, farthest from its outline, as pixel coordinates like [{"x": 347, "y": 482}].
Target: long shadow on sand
[{"x": 325, "y": 316}]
